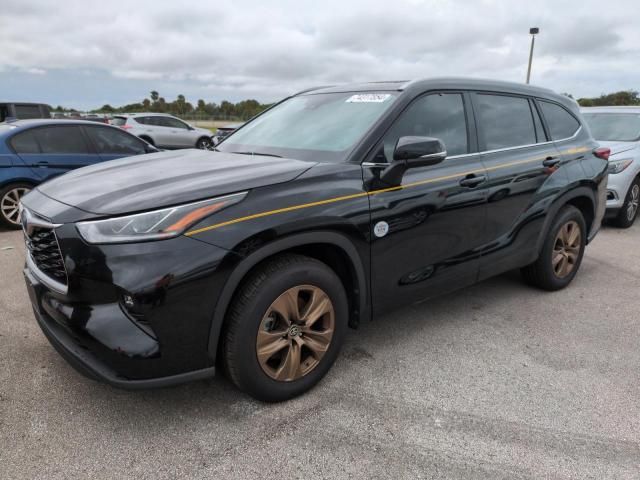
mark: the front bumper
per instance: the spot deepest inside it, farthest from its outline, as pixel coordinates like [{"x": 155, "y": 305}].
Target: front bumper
[{"x": 163, "y": 339}]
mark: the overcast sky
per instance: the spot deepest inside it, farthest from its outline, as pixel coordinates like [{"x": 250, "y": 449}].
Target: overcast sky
[{"x": 85, "y": 53}]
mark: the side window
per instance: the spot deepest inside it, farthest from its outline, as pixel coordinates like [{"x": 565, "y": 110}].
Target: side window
[
  {"x": 114, "y": 142},
  {"x": 505, "y": 121},
  {"x": 561, "y": 123},
  {"x": 25, "y": 142},
  {"x": 62, "y": 139},
  {"x": 438, "y": 115},
  {"x": 172, "y": 122}
]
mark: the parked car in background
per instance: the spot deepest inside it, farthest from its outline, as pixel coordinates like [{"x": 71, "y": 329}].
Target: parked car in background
[
  {"x": 335, "y": 205},
  {"x": 23, "y": 111},
  {"x": 164, "y": 131},
  {"x": 224, "y": 132},
  {"x": 94, "y": 117},
  {"x": 32, "y": 151},
  {"x": 618, "y": 128}
]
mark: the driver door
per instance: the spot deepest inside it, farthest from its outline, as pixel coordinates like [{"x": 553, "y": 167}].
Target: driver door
[{"x": 427, "y": 233}]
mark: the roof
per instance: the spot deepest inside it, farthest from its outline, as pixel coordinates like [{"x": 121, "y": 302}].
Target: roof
[
  {"x": 447, "y": 83},
  {"x": 47, "y": 121},
  {"x": 144, "y": 114}
]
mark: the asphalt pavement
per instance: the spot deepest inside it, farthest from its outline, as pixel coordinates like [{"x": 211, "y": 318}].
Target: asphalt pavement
[{"x": 495, "y": 381}]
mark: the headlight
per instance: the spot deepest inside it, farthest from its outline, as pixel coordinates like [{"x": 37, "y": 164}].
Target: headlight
[
  {"x": 155, "y": 225},
  {"x": 619, "y": 165}
]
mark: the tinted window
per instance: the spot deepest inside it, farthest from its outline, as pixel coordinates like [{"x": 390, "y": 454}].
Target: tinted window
[
  {"x": 505, "y": 121},
  {"x": 111, "y": 141},
  {"x": 170, "y": 122},
  {"x": 439, "y": 115},
  {"x": 142, "y": 120},
  {"x": 63, "y": 139},
  {"x": 25, "y": 142},
  {"x": 560, "y": 122},
  {"x": 118, "y": 121},
  {"x": 614, "y": 127},
  {"x": 27, "y": 111}
]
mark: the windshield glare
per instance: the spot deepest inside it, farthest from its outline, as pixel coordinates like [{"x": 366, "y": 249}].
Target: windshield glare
[
  {"x": 614, "y": 127},
  {"x": 319, "y": 127}
]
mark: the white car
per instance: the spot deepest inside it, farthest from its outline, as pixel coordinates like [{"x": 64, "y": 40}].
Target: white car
[
  {"x": 164, "y": 131},
  {"x": 618, "y": 128}
]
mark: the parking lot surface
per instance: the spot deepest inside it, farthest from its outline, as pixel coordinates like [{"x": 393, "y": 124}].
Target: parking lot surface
[{"x": 495, "y": 381}]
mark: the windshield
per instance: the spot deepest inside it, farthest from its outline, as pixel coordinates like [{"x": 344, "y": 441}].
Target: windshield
[
  {"x": 614, "y": 127},
  {"x": 319, "y": 127}
]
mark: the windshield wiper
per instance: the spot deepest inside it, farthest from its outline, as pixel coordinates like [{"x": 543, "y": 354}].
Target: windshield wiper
[{"x": 259, "y": 153}]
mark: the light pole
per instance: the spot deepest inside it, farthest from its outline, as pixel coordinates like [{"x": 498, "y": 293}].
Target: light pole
[{"x": 533, "y": 31}]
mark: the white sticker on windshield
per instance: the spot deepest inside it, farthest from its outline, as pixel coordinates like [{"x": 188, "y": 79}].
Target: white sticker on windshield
[{"x": 368, "y": 98}]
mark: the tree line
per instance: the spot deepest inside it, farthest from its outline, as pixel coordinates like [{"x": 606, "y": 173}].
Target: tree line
[
  {"x": 622, "y": 98},
  {"x": 226, "y": 110}
]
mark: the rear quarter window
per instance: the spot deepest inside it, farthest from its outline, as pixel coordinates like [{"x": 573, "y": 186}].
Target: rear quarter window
[{"x": 560, "y": 122}]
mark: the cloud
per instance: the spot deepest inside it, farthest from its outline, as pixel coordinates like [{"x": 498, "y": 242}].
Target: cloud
[{"x": 268, "y": 49}]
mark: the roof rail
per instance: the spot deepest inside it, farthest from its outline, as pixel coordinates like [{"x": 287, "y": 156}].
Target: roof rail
[
  {"x": 307, "y": 90},
  {"x": 405, "y": 85}
]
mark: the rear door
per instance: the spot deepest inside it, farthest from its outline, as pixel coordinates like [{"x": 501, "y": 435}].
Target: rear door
[
  {"x": 111, "y": 143},
  {"x": 60, "y": 148},
  {"x": 177, "y": 133},
  {"x": 519, "y": 159}
]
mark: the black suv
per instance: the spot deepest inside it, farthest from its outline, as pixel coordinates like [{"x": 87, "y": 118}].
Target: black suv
[{"x": 335, "y": 205}]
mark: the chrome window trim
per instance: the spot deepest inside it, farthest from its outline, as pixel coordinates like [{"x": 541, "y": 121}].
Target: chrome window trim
[{"x": 484, "y": 152}]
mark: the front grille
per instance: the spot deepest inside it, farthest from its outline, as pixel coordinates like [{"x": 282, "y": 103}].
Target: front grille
[{"x": 45, "y": 253}]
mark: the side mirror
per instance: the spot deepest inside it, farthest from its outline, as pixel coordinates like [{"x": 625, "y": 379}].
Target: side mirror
[{"x": 413, "y": 152}]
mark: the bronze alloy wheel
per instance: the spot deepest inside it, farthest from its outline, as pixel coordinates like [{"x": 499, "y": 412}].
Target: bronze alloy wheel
[
  {"x": 566, "y": 249},
  {"x": 295, "y": 333}
]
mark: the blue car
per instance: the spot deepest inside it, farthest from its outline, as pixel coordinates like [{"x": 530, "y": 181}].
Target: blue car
[{"x": 33, "y": 151}]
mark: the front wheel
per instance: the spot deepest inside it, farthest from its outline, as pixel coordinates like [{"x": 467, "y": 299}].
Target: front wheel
[
  {"x": 627, "y": 215},
  {"x": 10, "y": 204},
  {"x": 561, "y": 253},
  {"x": 204, "y": 143},
  {"x": 285, "y": 328}
]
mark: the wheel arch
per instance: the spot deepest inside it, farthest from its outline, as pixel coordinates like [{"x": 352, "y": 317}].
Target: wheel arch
[
  {"x": 147, "y": 139},
  {"x": 332, "y": 248},
  {"x": 583, "y": 198}
]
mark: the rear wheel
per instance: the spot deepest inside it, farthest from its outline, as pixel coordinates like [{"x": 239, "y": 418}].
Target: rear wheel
[
  {"x": 10, "y": 202},
  {"x": 561, "y": 253},
  {"x": 629, "y": 211},
  {"x": 285, "y": 328}
]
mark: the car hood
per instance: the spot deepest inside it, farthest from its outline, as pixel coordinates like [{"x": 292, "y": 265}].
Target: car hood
[
  {"x": 167, "y": 178},
  {"x": 618, "y": 147}
]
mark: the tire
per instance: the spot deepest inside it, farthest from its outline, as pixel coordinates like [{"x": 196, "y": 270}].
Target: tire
[
  {"x": 204, "y": 143},
  {"x": 547, "y": 272},
  {"x": 629, "y": 211},
  {"x": 254, "y": 316},
  {"x": 9, "y": 198}
]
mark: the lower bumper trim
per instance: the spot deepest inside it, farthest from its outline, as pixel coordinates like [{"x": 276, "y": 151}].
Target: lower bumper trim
[{"x": 90, "y": 367}]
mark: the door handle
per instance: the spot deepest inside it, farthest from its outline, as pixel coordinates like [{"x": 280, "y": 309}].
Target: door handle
[
  {"x": 472, "y": 180},
  {"x": 42, "y": 164},
  {"x": 551, "y": 161}
]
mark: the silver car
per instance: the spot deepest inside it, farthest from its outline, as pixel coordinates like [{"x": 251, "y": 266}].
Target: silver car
[
  {"x": 618, "y": 128},
  {"x": 164, "y": 131}
]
